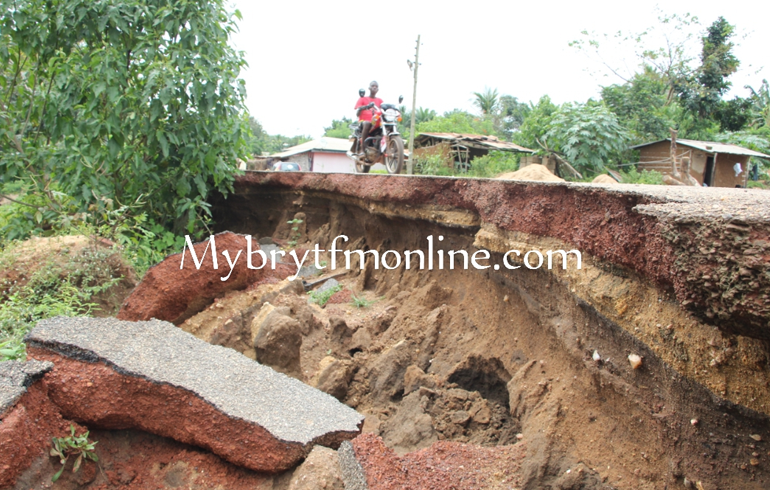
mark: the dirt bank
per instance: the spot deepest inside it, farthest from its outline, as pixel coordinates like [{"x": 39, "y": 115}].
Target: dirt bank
[{"x": 498, "y": 357}]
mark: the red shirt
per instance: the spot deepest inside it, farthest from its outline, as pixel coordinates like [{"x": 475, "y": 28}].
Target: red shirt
[{"x": 366, "y": 115}]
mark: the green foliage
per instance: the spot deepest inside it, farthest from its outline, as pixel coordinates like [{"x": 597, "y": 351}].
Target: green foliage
[
  {"x": 340, "y": 128},
  {"x": 116, "y": 101},
  {"x": 360, "y": 302},
  {"x": 642, "y": 106},
  {"x": 72, "y": 445},
  {"x": 457, "y": 121},
  {"x": 64, "y": 285},
  {"x": 587, "y": 135},
  {"x": 493, "y": 164},
  {"x": 487, "y": 101},
  {"x": 633, "y": 176},
  {"x": 432, "y": 164},
  {"x": 295, "y": 234},
  {"x": 536, "y": 123},
  {"x": 760, "y": 106},
  {"x": 322, "y": 297}
]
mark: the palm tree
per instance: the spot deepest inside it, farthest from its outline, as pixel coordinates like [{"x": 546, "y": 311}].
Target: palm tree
[{"x": 487, "y": 101}]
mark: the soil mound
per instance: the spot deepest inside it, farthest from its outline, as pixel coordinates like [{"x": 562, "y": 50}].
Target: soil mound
[
  {"x": 535, "y": 172},
  {"x": 604, "y": 179}
]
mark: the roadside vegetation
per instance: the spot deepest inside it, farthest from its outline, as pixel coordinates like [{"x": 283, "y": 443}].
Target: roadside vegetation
[{"x": 680, "y": 80}]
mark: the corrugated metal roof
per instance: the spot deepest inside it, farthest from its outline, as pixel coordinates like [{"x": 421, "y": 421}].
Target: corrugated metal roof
[
  {"x": 711, "y": 147},
  {"x": 326, "y": 144},
  {"x": 491, "y": 142}
]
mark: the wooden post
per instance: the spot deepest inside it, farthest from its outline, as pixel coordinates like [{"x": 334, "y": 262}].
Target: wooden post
[
  {"x": 410, "y": 167},
  {"x": 674, "y": 171}
]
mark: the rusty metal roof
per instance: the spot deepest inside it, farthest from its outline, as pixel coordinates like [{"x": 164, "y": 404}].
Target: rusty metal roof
[
  {"x": 711, "y": 147},
  {"x": 478, "y": 140},
  {"x": 325, "y": 144}
]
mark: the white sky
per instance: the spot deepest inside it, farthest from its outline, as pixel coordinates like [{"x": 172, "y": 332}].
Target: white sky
[{"x": 307, "y": 59}]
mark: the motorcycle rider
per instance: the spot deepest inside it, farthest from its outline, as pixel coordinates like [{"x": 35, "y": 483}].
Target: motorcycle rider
[{"x": 364, "y": 113}]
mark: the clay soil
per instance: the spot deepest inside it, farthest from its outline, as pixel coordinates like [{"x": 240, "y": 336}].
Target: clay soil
[{"x": 468, "y": 379}]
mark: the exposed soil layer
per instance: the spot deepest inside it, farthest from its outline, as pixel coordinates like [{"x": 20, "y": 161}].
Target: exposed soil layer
[
  {"x": 26, "y": 431},
  {"x": 445, "y": 465},
  {"x": 83, "y": 261},
  {"x": 495, "y": 357},
  {"x": 168, "y": 292},
  {"x": 626, "y": 225},
  {"x": 136, "y": 460}
]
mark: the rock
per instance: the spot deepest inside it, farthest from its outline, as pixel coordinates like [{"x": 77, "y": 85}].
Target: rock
[
  {"x": 157, "y": 378},
  {"x": 386, "y": 376},
  {"x": 414, "y": 378},
  {"x": 339, "y": 335},
  {"x": 410, "y": 427},
  {"x": 352, "y": 473},
  {"x": 381, "y": 322},
  {"x": 329, "y": 284},
  {"x": 278, "y": 342},
  {"x": 169, "y": 293},
  {"x": 460, "y": 417},
  {"x": 360, "y": 341},
  {"x": 635, "y": 360},
  {"x": 320, "y": 471},
  {"x": 480, "y": 412},
  {"x": 28, "y": 419},
  {"x": 334, "y": 377}
]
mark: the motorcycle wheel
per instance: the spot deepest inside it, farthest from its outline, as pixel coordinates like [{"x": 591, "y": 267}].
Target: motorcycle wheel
[
  {"x": 394, "y": 158},
  {"x": 362, "y": 169}
]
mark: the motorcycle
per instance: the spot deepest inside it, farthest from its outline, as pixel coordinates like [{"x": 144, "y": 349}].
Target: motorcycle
[{"x": 384, "y": 143}]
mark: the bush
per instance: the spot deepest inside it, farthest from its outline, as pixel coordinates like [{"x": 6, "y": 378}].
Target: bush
[
  {"x": 493, "y": 164},
  {"x": 633, "y": 176}
]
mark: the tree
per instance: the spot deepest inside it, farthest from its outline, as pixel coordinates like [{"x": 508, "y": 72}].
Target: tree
[
  {"x": 536, "y": 123},
  {"x": 586, "y": 135},
  {"x": 642, "y": 106},
  {"x": 760, "y": 106},
  {"x": 340, "y": 128},
  {"x": 123, "y": 104},
  {"x": 702, "y": 92},
  {"x": 486, "y": 101},
  {"x": 457, "y": 121}
]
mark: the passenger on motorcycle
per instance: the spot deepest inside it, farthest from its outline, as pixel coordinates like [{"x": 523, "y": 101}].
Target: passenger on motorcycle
[{"x": 363, "y": 110}]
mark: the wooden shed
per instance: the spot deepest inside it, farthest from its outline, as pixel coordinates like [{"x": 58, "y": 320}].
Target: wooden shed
[
  {"x": 713, "y": 164},
  {"x": 462, "y": 148}
]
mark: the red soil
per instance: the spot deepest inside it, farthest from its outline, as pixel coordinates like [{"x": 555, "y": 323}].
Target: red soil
[
  {"x": 443, "y": 466},
  {"x": 173, "y": 294},
  {"x": 26, "y": 431},
  {"x": 98, "y": 396}
]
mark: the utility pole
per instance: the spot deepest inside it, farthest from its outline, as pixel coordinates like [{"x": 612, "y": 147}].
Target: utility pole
[{"x": 410, "y": 167}]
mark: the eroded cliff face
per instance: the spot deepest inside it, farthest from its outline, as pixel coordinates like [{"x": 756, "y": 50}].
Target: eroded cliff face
[{"x": 677, "y": 277}]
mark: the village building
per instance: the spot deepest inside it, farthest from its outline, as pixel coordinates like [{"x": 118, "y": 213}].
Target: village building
[
  {"x": 320, "y": 155},
  {"x": 712, "y": 164},
  {"x": 460, "y": 149}
]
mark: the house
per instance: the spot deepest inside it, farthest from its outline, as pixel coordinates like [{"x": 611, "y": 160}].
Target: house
[
  {"x": 320, "y": 155},
  {"x": 462, "y": 148},
  {"x": 713, "y": 164}
]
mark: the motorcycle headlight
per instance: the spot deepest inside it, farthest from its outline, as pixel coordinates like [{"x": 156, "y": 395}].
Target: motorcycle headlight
[{"x": 391, "y": 115}]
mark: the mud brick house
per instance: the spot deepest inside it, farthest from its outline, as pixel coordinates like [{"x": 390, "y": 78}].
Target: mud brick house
[
  {"x": 320, "y": 155},
  {"x": 713, "y": 164},
  {"x": 462, "y": 148}
]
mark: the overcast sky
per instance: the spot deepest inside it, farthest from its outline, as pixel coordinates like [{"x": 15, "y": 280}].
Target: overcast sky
[{"x": 307, "y": 60}]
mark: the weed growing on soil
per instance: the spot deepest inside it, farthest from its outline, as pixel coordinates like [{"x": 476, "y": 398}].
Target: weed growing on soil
[
  {"x": 320, "y": 298},
  {"x": 64, "y": 447},
  {"x": 295, "y": 235},
  {"x": 360, "y": 302},
  {"x": 59, "y": 287}
]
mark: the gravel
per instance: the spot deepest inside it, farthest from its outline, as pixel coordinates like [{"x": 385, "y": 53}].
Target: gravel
[
  {"x": 16, "y": 377},
  {"x": 239, "y": 387}
]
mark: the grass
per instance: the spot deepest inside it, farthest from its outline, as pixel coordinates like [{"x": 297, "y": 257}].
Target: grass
[
  {"x": 322, "y": 297},
  {"x": 360, "y": 302},
  {"x": 64, "y": 285},
  {"x": 64, "y": 447}
]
